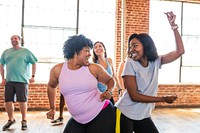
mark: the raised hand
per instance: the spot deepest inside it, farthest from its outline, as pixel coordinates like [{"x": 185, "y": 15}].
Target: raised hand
[{"x": 171, "y": 18}]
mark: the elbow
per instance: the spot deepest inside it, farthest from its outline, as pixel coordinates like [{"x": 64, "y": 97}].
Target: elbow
[
  {"x": 134, "y": 98},
  {"x": 182, "y": 52}
]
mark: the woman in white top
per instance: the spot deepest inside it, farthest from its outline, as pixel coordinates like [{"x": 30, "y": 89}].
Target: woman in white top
[{"x": 140, "y": 76}]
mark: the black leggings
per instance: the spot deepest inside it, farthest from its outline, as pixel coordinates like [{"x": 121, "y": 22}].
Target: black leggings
[
  {"x": 104, "y": 122},
  {"x": 138, "y": 126}
]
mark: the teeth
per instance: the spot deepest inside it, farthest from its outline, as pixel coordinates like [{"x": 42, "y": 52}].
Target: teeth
[{"x": 133, "y": 55}]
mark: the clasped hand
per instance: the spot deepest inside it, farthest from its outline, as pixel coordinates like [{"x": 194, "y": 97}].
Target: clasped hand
[{"x": 105, "y": 95}]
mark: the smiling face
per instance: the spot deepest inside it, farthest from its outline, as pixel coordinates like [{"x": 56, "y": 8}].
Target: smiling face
[
  {"x": 83, "y": 56},
  {"x": 136, "y": 50},
  {"x": 15, "y": 40},
  {"x": 99, "y": 49}
]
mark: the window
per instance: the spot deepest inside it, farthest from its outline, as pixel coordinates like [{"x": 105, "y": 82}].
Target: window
[
  {"x": 181, "y": 70},
  {"x": 45, "y": 25}
]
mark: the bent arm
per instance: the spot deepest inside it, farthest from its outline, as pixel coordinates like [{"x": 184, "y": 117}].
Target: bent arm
[
  {"x": 170, "y": 57},
  {"x": 103, "y": 77},
  {"x": 178, "y": 40},
  {"x": 131, "y": 85}
]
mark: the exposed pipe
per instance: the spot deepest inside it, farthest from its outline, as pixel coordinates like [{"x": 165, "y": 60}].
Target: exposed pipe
[
  {"x": 22, "y": 25},
  {"x": 123, "y": 28},
  {"x": 77, "y": 16},
  {"x": 181, "y": 58}
]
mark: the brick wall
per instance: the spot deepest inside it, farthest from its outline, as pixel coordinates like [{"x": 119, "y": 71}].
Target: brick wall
[
  {"x": 188, "y": 96},
  {"x": 136, "y": 21}
]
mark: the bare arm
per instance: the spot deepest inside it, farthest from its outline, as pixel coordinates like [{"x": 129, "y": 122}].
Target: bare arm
[
  {"x": 33, "y": 73},
  {"x": 33, "y": 69},
  {"x": 51, "y": 89},
  {"x": 114, "y": 75},
  {"x": 2, "y": 74},
  {"x": 179, "y": 43},
  {"x": 119, "y": 77},
  {"x": 52, "y": 84},
  {"x": 102, "y": 76},
  {"x": 131, "y": 85}
]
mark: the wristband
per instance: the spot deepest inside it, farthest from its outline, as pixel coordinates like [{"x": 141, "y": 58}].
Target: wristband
[
  {"x": 174, "y": 27},
  {"x": 109, "y": 92},
  {"x": 33, "y": 76},
  {"x": 119, "y": 91}
]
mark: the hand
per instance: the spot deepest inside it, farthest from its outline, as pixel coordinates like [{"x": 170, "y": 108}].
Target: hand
[
  {"x": 32, "y": 80},
  {"x": 50, "y": 114},
  {"x": 105, "y": 95},
  {"x": 171, "y": 18},
  {"x": 3, "y": 82},
  {"x": 170, "y": 99}
]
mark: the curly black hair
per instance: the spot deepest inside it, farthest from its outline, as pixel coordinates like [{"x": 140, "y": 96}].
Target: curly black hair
[{"x": 75, "y": 44}]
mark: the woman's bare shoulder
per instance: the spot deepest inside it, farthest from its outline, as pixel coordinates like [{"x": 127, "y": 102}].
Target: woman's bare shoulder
[
  {"x": 57, "y": 68},
  {"x": 110, "y": 61},
  {"x": 95, "y": 68}
]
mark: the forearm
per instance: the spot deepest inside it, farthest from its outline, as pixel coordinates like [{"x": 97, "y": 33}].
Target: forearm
[
  {"x": 179, "y": 42},
  {"x": 2, "y": 72},
  {"x": 33, "y": 69},
  {"x": 145, "y": 98},
  {"x": 52, "y": 96},
  {"x": 117, "y": 83},
  {"x": 110, "y": 85}
]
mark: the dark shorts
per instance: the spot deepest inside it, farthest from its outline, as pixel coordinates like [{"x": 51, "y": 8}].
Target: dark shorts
[{"x": 16, "y": 91}]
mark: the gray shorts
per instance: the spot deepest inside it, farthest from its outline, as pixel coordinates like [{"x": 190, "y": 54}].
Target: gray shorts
[{"x": 16, "y": 90}]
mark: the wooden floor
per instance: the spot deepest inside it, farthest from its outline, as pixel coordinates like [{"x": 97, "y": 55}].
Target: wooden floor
[{"x": 167, "y": 121}]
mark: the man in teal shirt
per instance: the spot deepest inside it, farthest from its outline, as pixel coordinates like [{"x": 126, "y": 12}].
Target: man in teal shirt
[{"x": 17, "y": 61}]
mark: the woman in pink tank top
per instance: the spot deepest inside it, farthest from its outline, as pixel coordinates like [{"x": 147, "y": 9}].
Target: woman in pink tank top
[{"x": 91, "y": 110}]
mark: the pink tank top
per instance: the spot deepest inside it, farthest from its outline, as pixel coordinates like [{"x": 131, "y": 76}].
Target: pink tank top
[{"x": 79, "y": 88}]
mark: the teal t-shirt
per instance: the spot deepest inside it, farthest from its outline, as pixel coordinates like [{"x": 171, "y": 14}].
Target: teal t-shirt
[{"x": 17, "y": 64}]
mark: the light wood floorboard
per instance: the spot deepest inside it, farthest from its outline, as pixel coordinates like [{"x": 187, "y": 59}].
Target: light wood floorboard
[{"x": 168, "y": 120}]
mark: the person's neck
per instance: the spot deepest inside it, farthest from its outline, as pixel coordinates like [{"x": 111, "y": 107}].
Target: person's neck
[
  {"x": 144, "y": 61},
  {"x": 16, "y": 47},
  {"x": 101, "y": 58},
  {"x": 72, "y": 65}
]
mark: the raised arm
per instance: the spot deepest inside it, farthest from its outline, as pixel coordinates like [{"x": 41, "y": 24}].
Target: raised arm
[{"x": 173, "y": 55}]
